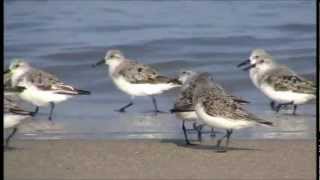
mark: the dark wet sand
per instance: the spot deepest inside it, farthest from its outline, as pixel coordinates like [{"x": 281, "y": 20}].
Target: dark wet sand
[{"x": 160, "y": 159}]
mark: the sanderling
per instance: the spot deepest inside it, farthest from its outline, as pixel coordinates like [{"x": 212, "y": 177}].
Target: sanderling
[
  {"x": 13, "y": 116},
  {"x": 184, "y": 107},
  {"x": 42, "y": 88},
  {"x": 218, "y": 109},
  {"x": 278, "y": 82},
  {"x": 136, "y": 79}
]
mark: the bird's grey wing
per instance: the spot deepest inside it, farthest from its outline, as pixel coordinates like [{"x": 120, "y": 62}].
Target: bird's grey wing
[
  {"x": 224, "y": 106},
  {"x": 140, "y": 73},
  {"x": 48, "y": 82},
  {"x": 285, "y": 80},
  {"x": 16, "y": 89},
  {"x": 41, "y": 79},
  {"x": 11, "y": 107},
  {"x": 219, "y": 89}
]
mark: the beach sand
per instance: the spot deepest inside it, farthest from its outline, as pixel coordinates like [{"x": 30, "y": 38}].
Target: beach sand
[{"x": 159, "y": 159}]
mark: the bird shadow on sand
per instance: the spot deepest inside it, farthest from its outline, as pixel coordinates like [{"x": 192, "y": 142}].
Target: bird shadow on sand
[{"x": 199, "y": 146}]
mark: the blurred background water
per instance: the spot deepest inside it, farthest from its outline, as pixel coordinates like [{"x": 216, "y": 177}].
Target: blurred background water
[{"x": 66, "y": 37}]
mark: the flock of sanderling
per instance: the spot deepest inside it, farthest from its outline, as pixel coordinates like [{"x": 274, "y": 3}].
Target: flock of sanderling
[{"x": 201, "y": 100}]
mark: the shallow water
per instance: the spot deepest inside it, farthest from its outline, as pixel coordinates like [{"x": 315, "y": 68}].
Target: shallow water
[{"x": 66, "y": 37}]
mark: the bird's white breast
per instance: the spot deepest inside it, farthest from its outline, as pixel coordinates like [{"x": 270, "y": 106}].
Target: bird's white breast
[
  {"x": 286, "y": 96},
  {"x": 141, "y": 89}
]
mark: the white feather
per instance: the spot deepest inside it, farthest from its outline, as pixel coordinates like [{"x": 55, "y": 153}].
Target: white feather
[
  {"x": 286, "y": 96},
  {"x": 188, "y": 116},
  {"x": 221, "y": 122},
  {"x": 40, "y": 97},
  {"x": 141, "y": 89},
  {"x": 13, "y": 120}
]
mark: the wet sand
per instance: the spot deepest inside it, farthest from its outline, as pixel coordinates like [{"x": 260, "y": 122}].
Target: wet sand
[{"x": 159, "y": 159}]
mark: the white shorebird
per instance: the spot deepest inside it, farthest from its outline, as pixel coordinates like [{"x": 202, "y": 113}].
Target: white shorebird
[
  {"x": 13, "y": 116},
  {"x": 42, "y": 88},
  {"x": 184, "y": 107},
  {"x": 218, "y": 109},
  {"x": 278, "y": 82},
  {"x": 136, "y": 79}
]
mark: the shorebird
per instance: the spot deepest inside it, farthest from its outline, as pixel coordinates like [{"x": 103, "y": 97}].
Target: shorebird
[
  {"x": 41, "y": 88},
  {"x": 136, "y": 79},
  {"x": 281, "y": 84},
  {"x": 218, "y": 109},
  {"x": 13, "y": 116},
  {"x": 184, "y": 107}
]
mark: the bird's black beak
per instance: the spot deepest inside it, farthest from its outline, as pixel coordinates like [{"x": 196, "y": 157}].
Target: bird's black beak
[
  {"x": 6, "y": 71},
  {"x": 98, "y": 63},
  {"x": 246, "y": 62},
  {"x": 249, "y": 67}
]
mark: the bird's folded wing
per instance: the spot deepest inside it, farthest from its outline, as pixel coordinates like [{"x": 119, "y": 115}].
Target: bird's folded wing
[
  {"x": 140, "y": 74},
  {"x": 42, "y": 79},
  {"x": 222, "y": 105},
  {"x": 291, "y": 82},
  {"x": 11, "y": 107}
]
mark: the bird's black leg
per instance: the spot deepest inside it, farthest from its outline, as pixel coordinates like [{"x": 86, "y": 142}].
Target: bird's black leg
[
  {"x": 35, "y": 111},
  {"x": 212, "y": 133},
  {"x": 198, "y": 128},
  {"x": 185, "y": 133},
  {"x": 283, "y": 104},
  {"x": 273, "y": 106},
  {"x": 52, "y": 105},
  {"x": 294, "y": 109},
  {"x": 123, "y": 109},
  {"x": 229, "y": 132},
  {"x": 10, "y": 136},
  {"x": 278, "y": 108},
  {"x": 219, "y": 148},
  {"x": 154, "y": 101}
]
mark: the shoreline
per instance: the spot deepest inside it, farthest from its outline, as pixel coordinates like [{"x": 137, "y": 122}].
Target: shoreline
[{"x": 160, "y": 159}]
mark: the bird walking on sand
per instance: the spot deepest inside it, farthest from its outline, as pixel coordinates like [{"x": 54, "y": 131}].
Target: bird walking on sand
[
  {"x": 218, "y": 109},
  {"x": 41, "y": 88},
  {"x": 136, "y": 79},
  {"x": 281, "y": 84},
  {"x": 184, "y": 107}
]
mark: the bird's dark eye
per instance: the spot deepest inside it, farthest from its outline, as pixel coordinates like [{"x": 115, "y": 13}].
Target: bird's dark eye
[
  {"x": 262, "y": 61},
  {"x": 17, "y": 65},
  {"x": 256, "y": 57}
]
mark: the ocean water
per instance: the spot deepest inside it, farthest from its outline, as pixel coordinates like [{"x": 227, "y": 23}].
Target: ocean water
[{"x": 67, "y": 37}]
